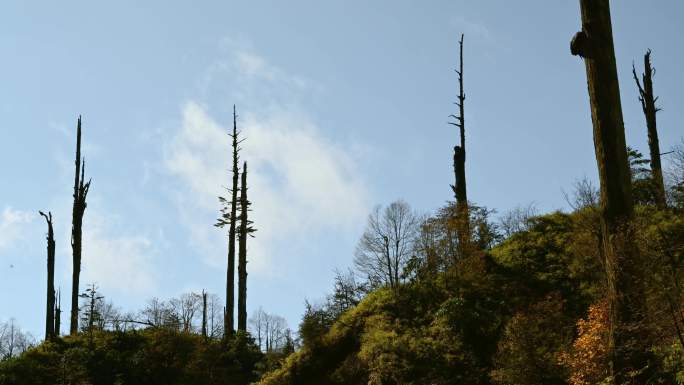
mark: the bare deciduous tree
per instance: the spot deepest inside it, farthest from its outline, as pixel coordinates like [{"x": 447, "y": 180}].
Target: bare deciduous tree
[
  {"x": 13, "y": 340},
  {"x": 270, "y": 330},
  {"x": 386, "y": 244},
  {"x": 517, "y": 219}
]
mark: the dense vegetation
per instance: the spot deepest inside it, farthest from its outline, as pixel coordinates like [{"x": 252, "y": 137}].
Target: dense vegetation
[{"x": 530, "y": 310}]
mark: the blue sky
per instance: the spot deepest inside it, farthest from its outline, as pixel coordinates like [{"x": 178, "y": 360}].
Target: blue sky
[{"x": 343, "y": 105}]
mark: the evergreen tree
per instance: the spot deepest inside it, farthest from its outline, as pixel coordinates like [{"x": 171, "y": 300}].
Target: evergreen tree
[{"x": 229, "y": 218}]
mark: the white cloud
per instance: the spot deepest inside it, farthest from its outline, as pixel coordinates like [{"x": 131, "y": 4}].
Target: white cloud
[
  {"x": 12, "y": 225},
  {"x": 121, "y": 263},
  {"x": 300, "y": 182}
]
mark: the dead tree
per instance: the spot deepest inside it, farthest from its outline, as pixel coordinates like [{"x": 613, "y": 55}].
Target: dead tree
[
  {"x": 58, "y": 313},
  {"x": 627, "y": 342},
  {"x": 80, "y": 193},
  {"x": 50, "y": 307},
  {"x": 204, "y": 314},
  {"x": 229, "y": 218},
  {"x": 245, "y": 230},
  {"x": 459, "y": 188},
  {"x": 648, "y": 105}
]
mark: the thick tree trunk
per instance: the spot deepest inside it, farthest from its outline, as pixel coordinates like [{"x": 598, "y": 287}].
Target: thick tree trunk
[
  {"x": 627, "y": 342},
  {"x": 228, "y": 324},
  {"x": 80, "y": 193},
  {"x": 648, "y": 104},
  {"x": 242, "y": 262},
  {"x": 50, "y": 306},
  {"x": 459, "y": 188}
]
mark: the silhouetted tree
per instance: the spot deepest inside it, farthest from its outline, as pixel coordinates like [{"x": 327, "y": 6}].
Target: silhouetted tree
[
  {"x": 80, "y": 192},
  {"x": 229, "y": 218},
  {"x": 91, "y": 314},
  {"x": 50, "y": 307},
  {"x": 624, "y": 287},
  {"x": 459, "y": 187},
  {"x": 245, "y": 230},
  {"x": 204, "y": 314},
  {"x": 648, "y": 104},
  {"x": 387, "y": 243}
]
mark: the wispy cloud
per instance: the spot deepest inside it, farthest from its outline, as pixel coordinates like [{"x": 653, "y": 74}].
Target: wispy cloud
[
  {"x": 12, "y": 226},
  {"x": 301, "y": 183}
]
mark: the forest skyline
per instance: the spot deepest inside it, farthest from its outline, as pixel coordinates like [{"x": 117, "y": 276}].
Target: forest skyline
[{"x": 159, "y": 154}]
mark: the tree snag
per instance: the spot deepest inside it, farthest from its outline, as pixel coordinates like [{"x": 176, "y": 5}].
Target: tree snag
[
  {"x": 459, "y": 188},
  {"x": 648, "y": 105},
  {"x": 50, "y": 306},
  {"x": 244, "y": 231},
  {"x": 627, "y": 339},
  {"x": 80, "y": 193}
]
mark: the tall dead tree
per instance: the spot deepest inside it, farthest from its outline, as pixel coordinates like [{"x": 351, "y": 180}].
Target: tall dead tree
[
  {"x": 245, "y": 230},
  {"x": 50, "y": 306},
  {"x": 229, "y": 218},
  {"x": 648, "y": 104},
  {"x": 80, "y": 192},
  {"x": 627, "y": 342},
  {"x": 459, "y": 188},
  {"x": 204, "y": 314}
]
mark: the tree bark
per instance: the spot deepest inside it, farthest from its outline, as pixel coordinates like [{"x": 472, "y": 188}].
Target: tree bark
[
  {"x": 50, "y": 306},
  {"x": 627, "y": 342},
  {"x": 648, "y": 105},
  {"x": 459, "y": 188},
  {"x": 80, "y": 193}
]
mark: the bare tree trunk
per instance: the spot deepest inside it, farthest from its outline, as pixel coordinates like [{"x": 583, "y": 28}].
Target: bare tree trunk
[
  {"x": 627, "y": 342},
  {"x": 204, "y": 314},
  {"x": 459, "y": 188},
  {"x": 50, "y": 308},
  {"x": 80, "y": 193},
  {"x": 648, "y": 104},
  {"x": 245, "y": 230}
]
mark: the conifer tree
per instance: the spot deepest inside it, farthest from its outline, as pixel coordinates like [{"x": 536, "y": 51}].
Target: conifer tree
[
  {"x": 80, "y": 193},
  {"x": 50, "y": 307},
  {"x": 229, "y": 218},
  {"x": 245, "y": 230},
  {"x": 459, "y": 188},
  {"x": 627, "y": 343},
  {"x": 648, "y": 104}
]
